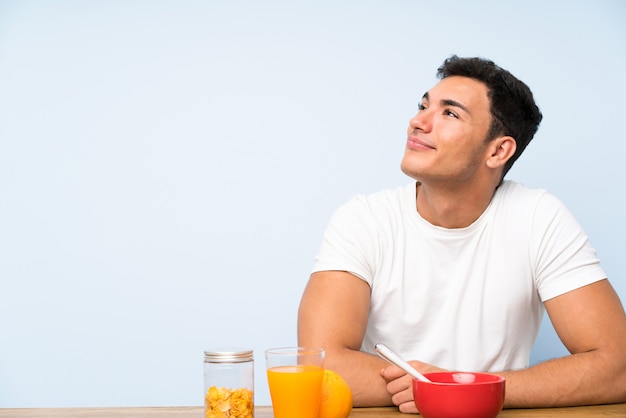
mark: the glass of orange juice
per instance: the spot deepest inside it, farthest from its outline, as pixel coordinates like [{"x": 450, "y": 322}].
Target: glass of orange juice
[{"x": 295, "y": 377}]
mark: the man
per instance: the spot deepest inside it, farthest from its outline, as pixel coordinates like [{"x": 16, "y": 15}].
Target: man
[{"x": 455, "y": 270}]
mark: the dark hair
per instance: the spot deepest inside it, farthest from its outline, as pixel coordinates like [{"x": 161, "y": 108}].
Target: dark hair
[{"x": 513, "y": 109}]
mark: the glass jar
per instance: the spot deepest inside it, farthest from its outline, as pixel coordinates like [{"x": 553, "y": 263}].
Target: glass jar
[{"x": 229, "y": 383}]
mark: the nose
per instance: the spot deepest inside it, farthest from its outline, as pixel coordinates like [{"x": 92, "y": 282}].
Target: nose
[{"x": 421, "y": 121}]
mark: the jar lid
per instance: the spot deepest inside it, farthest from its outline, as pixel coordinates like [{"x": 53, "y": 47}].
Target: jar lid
[{"x": 227, "y": 355}]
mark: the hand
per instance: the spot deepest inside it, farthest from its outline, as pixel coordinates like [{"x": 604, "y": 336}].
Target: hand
[{"x": 400, "y": 384}]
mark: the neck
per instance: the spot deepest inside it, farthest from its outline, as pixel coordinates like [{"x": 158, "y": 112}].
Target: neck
[{"x": 452, "y": 207}]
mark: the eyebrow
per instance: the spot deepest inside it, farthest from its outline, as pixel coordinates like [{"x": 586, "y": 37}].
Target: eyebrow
[{"x": 448, "y": 102}]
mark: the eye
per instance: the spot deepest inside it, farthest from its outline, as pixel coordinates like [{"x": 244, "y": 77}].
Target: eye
[
  {"x": 450, "y": 113},
  {"x": 421, "y": 106}
]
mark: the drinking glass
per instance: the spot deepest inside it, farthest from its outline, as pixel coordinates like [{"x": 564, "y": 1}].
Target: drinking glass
[{"x": 295, "y": 375}]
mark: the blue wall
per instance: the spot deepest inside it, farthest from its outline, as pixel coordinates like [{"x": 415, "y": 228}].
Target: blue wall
[{"x": 167, "y": 168}]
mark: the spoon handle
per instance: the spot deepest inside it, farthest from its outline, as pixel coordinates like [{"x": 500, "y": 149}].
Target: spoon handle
[{"x": 386, "y": 353}]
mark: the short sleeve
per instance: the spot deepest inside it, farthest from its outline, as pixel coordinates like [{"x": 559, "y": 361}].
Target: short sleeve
[
  {"x": 565, "y": 258},
  {"x": 348, "y": 241}
]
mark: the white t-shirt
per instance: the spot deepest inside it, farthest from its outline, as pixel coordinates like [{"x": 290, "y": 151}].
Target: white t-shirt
[{"x": 462, "y": 299}]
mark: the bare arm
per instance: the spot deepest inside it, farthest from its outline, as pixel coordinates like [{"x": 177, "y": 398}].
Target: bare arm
[
  {"x": 591, "y": 323},
  {"x": 333, "y": 314}
]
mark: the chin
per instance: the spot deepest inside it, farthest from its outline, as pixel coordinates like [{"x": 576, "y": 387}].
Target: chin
[{"x": 409, "y": 172}]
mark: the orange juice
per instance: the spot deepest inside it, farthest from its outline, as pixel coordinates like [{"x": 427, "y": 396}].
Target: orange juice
[{"x": 295, "y": 390}]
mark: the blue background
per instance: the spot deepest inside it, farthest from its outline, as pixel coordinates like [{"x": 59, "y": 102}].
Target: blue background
[{"x": 167, "y": 168}]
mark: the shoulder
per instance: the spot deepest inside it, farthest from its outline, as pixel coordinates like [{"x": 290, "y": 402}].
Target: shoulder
[
  {"x": 518, "y": 195},
  {"x": 383, "y": 200},
  {"x": 527, "y": 209},
  {"x": 376, "y": 210},
  {"x": 510, "y": 189}
]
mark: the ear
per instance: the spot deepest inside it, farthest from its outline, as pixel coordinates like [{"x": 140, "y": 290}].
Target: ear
[{"x": 500, "y": 150}]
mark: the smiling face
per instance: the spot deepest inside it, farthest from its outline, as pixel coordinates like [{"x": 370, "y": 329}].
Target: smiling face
[{"x": 446, "y": 139}]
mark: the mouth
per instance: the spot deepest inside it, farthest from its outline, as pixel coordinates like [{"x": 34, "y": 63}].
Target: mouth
[{"x": 413, "y": 142}]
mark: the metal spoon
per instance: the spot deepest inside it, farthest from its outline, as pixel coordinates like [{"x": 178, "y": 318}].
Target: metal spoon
[{"x": 386, "y": 353}]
